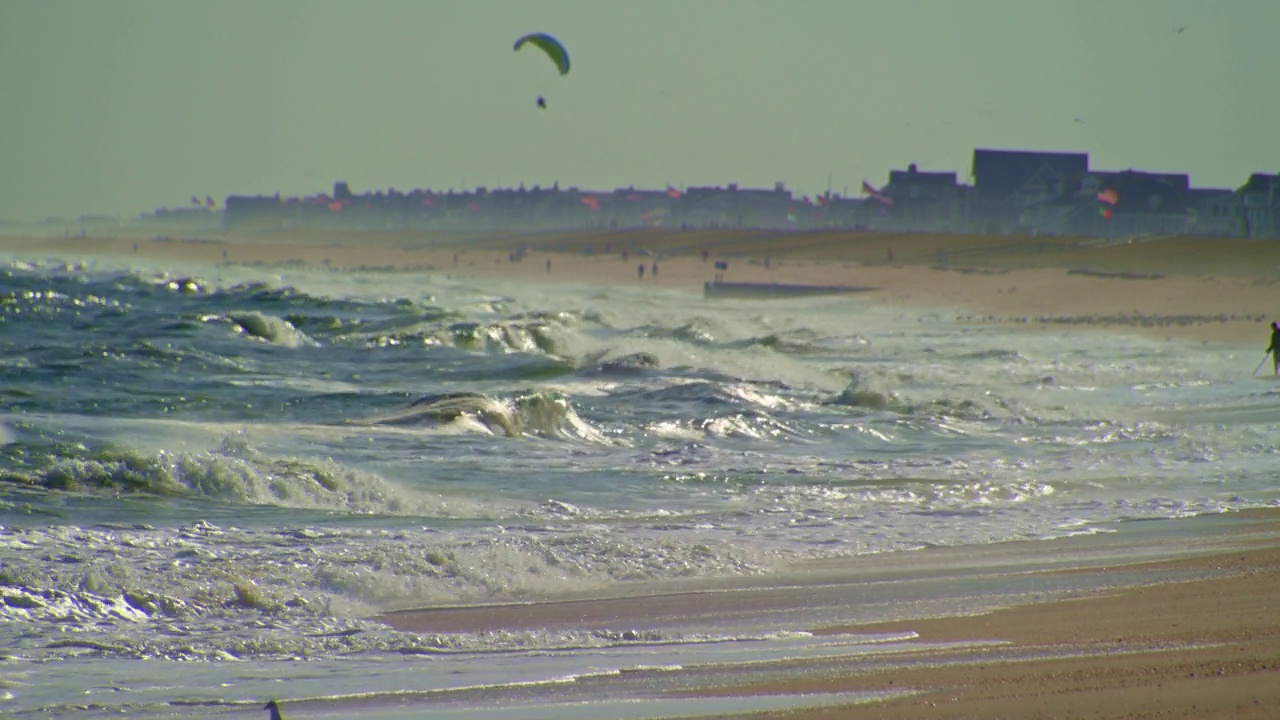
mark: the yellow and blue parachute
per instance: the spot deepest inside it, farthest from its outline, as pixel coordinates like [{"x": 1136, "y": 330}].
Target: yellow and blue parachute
[{"x": 550, "y": 46}]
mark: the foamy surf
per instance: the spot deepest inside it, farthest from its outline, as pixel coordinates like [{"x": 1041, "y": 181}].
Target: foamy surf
[{"x": 246, "y": 468}]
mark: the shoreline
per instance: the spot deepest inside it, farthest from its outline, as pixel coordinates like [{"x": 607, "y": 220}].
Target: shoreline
[
  {"x": 1171, "y": 618},
  {"x": 1162, "y": 289}
]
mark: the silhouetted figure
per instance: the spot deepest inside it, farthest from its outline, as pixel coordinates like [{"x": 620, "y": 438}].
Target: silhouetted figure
[
  {"x": 1274, "y": 347},
  {"x": 640, "y": 271},
  {"x": 655, "y": 268},
  {"x": 542, "y": 102},
  {"x": 722, "y": 266},
  {"x": 274, "y": 707}
]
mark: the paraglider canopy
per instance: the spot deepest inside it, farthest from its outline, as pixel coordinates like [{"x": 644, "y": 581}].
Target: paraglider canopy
[{"x": 550, "y": 46}]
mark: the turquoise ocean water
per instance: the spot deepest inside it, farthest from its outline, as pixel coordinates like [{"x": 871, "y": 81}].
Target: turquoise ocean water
[{"x": 212, "y": 478}]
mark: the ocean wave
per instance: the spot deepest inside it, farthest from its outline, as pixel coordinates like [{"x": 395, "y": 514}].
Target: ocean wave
[
  {"x": 274, "y": 330},
  {"x": 540, "y": 414},
  {"x": 210, "y": 592},
  {"x": 232, "y": 473}
]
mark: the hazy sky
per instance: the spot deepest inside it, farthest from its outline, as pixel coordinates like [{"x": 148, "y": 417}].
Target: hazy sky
[{"x": 123, "y": 106}]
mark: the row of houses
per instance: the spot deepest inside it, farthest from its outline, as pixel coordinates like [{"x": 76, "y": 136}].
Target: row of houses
[
  {"x": 1011, "y": 192},
  {"x": 524, "y": 209},
  {"x": 1050, "y": 193}
]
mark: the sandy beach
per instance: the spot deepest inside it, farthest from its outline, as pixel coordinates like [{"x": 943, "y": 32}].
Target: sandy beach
[
  {"x": 1185, "y": 627},
  {"x": 1192, "y": 636},
  {"x": 1208, "y": 290}
]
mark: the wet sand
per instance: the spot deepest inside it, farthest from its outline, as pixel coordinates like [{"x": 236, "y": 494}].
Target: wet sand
[
  {"x": 1182, "y": 625},
  {"x": 1204, "y": 648}
]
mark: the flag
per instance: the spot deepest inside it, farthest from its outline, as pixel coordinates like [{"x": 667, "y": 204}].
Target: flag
[
  {"x": 590, "y": 202},
  {"x": 673, "y": 193},
  {"x": 1108, "y": 196},
  {"x": 875, "y": 194}
]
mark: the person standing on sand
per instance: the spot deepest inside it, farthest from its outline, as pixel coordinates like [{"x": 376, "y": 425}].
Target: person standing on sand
[{"x": 1274, "y": 347}]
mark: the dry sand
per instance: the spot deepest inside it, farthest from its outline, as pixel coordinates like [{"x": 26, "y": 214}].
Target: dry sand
[
  {"x": 1207, "y": 646},
  {"x": 1209, "y": 290}
]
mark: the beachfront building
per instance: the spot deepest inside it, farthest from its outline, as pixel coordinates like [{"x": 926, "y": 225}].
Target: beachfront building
[
  {"x": 1260, "y": 205},
  {"x": 1019, "y": 191},
  {"x": 1130, "y": 203},
  {"x": 1013, "y": 192},
  {"x": 253, "y": 212},
  {"x": 734, "y": 207},
  {"x": 1214, "y": 212},
  {"x": 922, "y": 202}
]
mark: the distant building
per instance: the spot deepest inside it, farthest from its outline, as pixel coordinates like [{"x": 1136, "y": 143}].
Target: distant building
[
  {"x": 256, "y": 212},
  {"x": 1260, "y": 203},
  {"x": 1214, "y": 212},
  {"x": 1013, "y": 192},
  {"x": 1018, "y": 190},
  {"x": 731, "y": 206},
  {"x": 1138, "y": 203},
  {"x": 922, "y": 202}
]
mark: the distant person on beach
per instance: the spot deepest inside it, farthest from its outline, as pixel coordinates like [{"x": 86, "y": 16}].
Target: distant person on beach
[
  {"x": 1274, "y": 347},
  {"x": 640, "y": 271}
]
